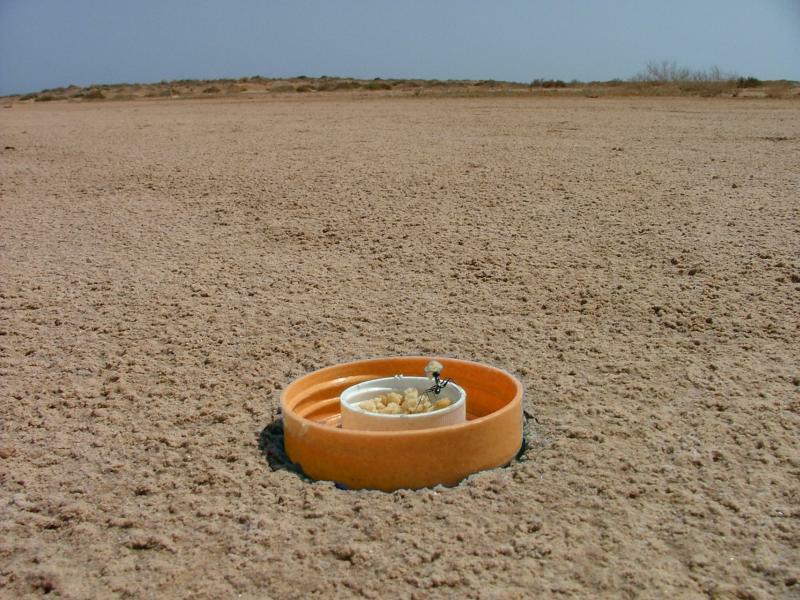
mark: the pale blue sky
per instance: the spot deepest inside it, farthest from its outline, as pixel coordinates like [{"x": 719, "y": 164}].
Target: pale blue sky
[{"x": 50, "y": 43}]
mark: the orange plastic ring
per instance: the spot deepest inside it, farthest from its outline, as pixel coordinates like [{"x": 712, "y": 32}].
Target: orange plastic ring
[{"x": 391, "y": 460}]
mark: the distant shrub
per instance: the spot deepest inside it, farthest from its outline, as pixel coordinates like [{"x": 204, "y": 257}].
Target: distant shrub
[
  {"x": 748, "y": 82},
  {"x": 331, "y": 86},
  {"x": 347, "y": 85},
  {"x": 28, "y": 97},
  {"x": 162, "y": 93},
  {"x": 548, "y": 83},
  {"x": 378, "y": 85},
  {"x": 666, "y": 71},
  {"x": 705, "y": 88},
  {"x": 212, "y": 90},
  {"x": 304, "y": 88},
  {"x": 662, "y": 71},
  {"x": 93, "y": 94},
  {"x": 281, "y": 87},
  {"x": 46, "y": 98}
]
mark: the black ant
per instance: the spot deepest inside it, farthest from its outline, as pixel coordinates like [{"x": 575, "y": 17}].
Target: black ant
[{"x": 438, "y": 385}]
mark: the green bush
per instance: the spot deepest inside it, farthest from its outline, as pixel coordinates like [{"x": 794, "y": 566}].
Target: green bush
[
  {"x": 325, "y": 86},
  {"x": 93, "y": 94},
  {"x": 28, "y": 97},
  {"x": 548, "y": 83},
  {"x": 748, "y": 82},
  {"x": 46, "y": 98},
  {"x": 347, "y": 85},
  {"x": 162, "y": 93},
  {"x": 304, "y": 88},
  {"x": 212, "y": 90}
]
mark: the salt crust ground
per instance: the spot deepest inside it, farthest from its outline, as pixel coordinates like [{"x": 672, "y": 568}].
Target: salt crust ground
[{"x": 167, "y": 267}]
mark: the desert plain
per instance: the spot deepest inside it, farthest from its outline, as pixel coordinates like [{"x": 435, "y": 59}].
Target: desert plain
[{"x": 167, "y": 267}]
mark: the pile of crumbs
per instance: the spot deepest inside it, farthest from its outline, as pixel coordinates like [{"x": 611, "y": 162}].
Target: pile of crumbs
[{"x": 412, "y": 402}]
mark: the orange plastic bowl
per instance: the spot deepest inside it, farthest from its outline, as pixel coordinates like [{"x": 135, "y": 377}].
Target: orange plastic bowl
[{"x": 391, "y": 460}]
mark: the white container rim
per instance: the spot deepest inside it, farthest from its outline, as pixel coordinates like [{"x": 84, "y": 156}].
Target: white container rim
[{"x": 401, "y": 382}]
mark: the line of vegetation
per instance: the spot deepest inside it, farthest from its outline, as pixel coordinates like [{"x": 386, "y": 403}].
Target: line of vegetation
[{"x": 657, "y": 78}]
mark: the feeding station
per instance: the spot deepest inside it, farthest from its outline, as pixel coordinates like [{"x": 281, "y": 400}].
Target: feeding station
[{"x": 388, "y": 424}]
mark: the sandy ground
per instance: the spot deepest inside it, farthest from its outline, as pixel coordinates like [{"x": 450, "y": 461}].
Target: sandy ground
[{"x": 167, "y": 267}]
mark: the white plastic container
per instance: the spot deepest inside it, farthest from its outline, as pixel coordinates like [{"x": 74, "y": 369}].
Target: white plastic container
[{"x": 354, "y": 417}]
